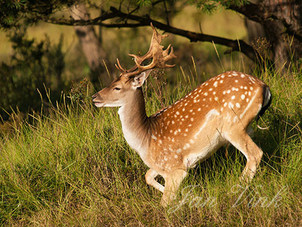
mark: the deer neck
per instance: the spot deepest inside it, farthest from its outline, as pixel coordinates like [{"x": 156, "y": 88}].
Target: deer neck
[{"x": 135, "y": 123}]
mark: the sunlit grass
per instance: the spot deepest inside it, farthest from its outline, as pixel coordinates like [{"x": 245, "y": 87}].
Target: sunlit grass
[{"x": 73, "y": 167}]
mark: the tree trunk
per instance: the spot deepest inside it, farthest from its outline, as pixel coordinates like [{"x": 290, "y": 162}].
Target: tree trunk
[
  {"x": 91, "y": 46},
  {"x": 254, "y": 29},
  {"x": 282, "y": 31}
]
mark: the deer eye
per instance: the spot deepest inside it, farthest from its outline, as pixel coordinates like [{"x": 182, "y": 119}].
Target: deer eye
[{"x": 117, "y": 88}]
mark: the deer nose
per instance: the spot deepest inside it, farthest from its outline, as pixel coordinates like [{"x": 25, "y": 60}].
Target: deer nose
[
  {"x": 97, "y": 98},
  {"x": 94, "y": 96}
]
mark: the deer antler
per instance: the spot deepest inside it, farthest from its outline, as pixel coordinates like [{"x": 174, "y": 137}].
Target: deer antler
[
  {"x": 156, "y": 52},
  {"x": 119, "y": 67}
]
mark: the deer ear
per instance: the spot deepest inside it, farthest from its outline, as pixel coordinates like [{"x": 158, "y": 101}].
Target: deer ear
[{"x": 139, "y": 80}]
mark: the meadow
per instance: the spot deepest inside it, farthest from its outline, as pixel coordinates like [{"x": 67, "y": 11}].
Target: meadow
[{"x": 71, "y": 166}]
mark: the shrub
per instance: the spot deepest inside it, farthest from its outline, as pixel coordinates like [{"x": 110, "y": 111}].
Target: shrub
[{"x": 33, "y": 67}]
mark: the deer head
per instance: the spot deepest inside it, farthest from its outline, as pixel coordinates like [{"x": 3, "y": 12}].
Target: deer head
[{"x": 119, "y": 91}]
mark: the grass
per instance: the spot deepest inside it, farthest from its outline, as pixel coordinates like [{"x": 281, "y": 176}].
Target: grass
[{"x": 73, "y": 167}]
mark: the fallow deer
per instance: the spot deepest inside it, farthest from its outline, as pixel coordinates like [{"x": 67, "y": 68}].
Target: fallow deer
[{"x": 193, "y": 128}]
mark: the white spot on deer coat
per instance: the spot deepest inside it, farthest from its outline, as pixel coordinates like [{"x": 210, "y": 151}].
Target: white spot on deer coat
[
  {"x": 231, "y": 105},
  {"x": 178, "y": 150}
]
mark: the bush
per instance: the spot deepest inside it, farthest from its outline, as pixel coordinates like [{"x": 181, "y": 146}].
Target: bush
[{"x": 33, "y": 67}]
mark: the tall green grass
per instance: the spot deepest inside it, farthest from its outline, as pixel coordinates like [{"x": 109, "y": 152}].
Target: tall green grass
[{"x": 73, "y": 167}]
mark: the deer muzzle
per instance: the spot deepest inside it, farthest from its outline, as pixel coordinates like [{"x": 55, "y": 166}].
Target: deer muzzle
[{"x": 98, "y": 100}]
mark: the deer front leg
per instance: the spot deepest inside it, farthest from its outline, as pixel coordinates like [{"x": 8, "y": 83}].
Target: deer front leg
[
  {"x": 150, "y": 179},
  {"x": 172, "y": 183},
  {"x": 243, "y": 142}
]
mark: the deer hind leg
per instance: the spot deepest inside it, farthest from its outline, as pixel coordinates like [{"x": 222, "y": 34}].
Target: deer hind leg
[
  {"x": 243, "y": 142},
  {"x": 150, "y": 179},
  {"x": 172, "y": 183}
]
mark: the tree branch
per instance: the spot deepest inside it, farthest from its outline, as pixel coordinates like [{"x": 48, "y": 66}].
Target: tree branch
[
  {"x": 236, "y": 45},
  {"x": 71, "y": 22},
  {"x": 254, "y": 12}
]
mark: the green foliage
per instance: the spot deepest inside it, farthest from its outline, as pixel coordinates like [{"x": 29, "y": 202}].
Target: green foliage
[
  {"x": 16, "y": 12},
  {"x": 80, "y": 91},
  {"x": 144, "y": 2},
  {"x": 74, "y": 168},
  {"x": 34, "y": 66},
  {"x": 205, "y": 5},
  {"x": 211, "y": 5}
]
